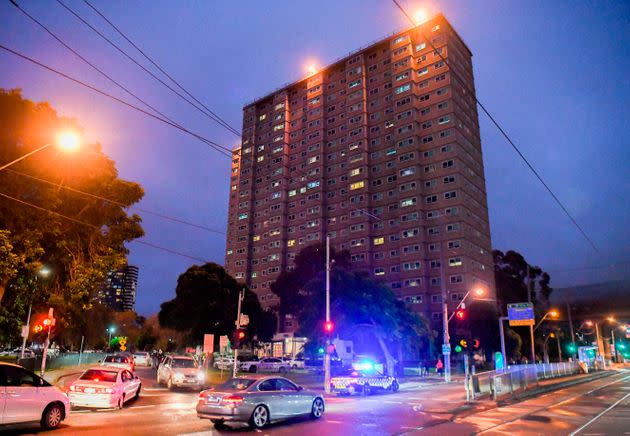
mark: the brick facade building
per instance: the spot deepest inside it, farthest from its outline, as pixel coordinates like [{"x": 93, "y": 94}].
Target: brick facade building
[{"x": 381, "y": 151}]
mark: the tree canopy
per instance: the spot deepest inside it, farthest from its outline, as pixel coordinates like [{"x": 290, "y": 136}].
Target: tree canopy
[
  {"x": 205, "y": 302},
  {"x": 77, "y": 255}
]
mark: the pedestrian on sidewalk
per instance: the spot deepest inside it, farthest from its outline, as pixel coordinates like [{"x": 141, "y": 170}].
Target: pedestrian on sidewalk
[{"x": 439, "y": 366}]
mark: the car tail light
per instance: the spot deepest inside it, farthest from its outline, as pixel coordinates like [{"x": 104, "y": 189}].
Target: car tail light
[{"x": 233, "y": 399}]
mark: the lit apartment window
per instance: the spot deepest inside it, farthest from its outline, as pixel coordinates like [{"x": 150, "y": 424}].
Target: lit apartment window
[
  {"x": 421, "y": 46},
  {"x": 357, "y": 185},
  {"x": 379, "y": 241},
  {"x": 455, "y": 261},
  {"x": 408, "y": 202},
  {"x": 291, "y": 243},
  {"x": 403, "y": 88},
  {"x": 242, "y": 216},
  {"x": 379, "y": 271},
  {"x": 256, "y": 238},
  {"x": 262, "y": 117},
  {"x": 423, "y": 71}
]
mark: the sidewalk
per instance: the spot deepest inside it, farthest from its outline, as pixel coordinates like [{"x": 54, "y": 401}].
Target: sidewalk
[{"x": 56, "y": 376}]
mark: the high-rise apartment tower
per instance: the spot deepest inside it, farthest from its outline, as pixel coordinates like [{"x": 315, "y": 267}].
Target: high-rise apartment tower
[
  {"x": 381, "y": 151},
  {"x": 119, "y": 290}
]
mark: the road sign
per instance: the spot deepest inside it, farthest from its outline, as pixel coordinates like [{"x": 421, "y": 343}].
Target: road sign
[
  {"x": 223, "y": 343},
  {"x": 25, "y": 330},
  {"x": 446, "y": 348},
  {"x": 244, "y": 320},
  {"x": 208, "y": 343},
  {"x": 122, "y": 342},
  {"x": 521, "y": 314},
  {"x": 499, "y": 364}
]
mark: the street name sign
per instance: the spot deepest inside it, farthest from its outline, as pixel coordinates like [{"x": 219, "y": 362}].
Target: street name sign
[
  {"x": 446, "y": 348},
  {"x": 520, "y": 314}
]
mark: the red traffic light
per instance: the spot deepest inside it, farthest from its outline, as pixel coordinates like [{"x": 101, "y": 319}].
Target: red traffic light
[
  {"x": 38, "y": 328},
  {"x": 329, "y": 326},
  {"x": 240, "y": 334},
  {"x": 476, "y": 343},
  {"x": 47, "y": 322},
  {"x": 460, "y": 314}
]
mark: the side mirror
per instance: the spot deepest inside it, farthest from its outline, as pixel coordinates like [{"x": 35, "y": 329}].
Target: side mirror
[
  {"x": 136, "y": 377},
  {"x": 100, "y": 361},
  {"x": 300, "y": 388}
]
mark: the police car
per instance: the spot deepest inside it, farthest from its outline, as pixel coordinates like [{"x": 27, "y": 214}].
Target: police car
[{"x": 362, "y": 380}]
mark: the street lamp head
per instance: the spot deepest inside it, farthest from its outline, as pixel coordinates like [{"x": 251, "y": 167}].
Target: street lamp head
[
  {"x": 588, "y": 323},
  {"x": 68, "y": 141},
  {"x": 611, "y": 319},
  {"x": 44, "y": 271},
  {"x": 554, "y": 313},
  {"x": 420, "y": 16},
  {"x": 480, "y": 292}
]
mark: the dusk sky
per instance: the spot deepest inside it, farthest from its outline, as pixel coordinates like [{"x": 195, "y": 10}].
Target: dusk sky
[{"x": 555, "y": 74}]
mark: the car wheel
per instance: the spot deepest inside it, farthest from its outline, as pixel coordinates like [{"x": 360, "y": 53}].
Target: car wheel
[
  {"x": 295, "y": 366},
  {"x": 169, "y": 383},
  {"x": 52, "y": 416},
  {"x": 283, "y": 370},
  {"x": 260, "y": 417},
  {"x": 138, "y": 392},
  {"x": 121, "y": 402},
  {"x": 253, "y": 368},
  {"x": 366, "y": 389},
  {"x": 317, "y": 410},
  {"x": 394, "y": 387}
]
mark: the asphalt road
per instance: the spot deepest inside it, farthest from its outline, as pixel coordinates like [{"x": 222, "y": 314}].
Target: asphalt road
[{"x": 602, "y": 405}]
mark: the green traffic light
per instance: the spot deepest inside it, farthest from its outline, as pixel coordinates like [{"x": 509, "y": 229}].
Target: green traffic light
[
  {"x": 458, "y": 349},
  {"x": 321, "y": 350}
]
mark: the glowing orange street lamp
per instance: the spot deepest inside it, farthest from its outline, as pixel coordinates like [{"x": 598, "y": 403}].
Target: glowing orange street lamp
[
  {"x": 67, "y": 141},
  {"x": 420, "y": 16}
]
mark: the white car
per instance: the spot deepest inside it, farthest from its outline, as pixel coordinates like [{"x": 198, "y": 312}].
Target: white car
[
  {"x": 294, "y": 362},
  {"x": 104, "y": 387},
  {"x": 268, "y": 364},
  {"x": 119, "y": 361},
  {"x": 26, "y": 397},
  {"x": 224, "y": 362},
  {"x": 181, "y": 371},
  {"x": 142, "y": 358}
]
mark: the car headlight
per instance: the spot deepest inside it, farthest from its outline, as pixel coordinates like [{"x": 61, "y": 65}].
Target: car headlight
[
  {"x": 201, "y": 376},
  {"x": 178, "y": 376}
]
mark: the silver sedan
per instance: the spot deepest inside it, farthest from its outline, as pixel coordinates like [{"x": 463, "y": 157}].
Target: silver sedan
[{"x": 258, "y": 400}]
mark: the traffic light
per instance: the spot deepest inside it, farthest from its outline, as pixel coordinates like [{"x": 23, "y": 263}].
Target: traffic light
[
  {"x": 458, "y": 349},
  {"x": 38, "y": 328},
  {"x": 460, "y": 314},
  {"x": 321, "y": 350},
  {"x": 329, "y": 326},
  {"x": 238, "y": 337},
  {"x": 47, "y": 322},
  {"x": 476, "y": 343},
  {"x": 463, "y": 343}
]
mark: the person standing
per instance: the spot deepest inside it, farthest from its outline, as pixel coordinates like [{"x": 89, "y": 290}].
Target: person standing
[{"x": 439, "y": 366}]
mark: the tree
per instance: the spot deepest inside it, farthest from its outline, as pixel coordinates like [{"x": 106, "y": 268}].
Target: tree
[
  {"x": 359, "y": 306},
  {"x": 206, "y": 301},
  {"x": 78, "y": 255},
  {"x": 309, "y": 262},
  {"x": 511, "y": 278}
]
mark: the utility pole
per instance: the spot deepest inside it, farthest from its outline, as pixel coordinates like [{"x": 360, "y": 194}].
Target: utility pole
[
  {"x": 531, "y": 327},
  {"x": 51, "y": 322},
  {"x": 241, "y": 294},
  {"x": 571, "y": 328},
  {"x": 327, "y": 353},
  {"x": 26, "y": 330},
  {"x": 613, "y": 347},
  {"x": 446, "y": 342}
]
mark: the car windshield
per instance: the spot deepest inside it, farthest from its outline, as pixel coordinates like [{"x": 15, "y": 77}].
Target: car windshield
[
  {"x": 183, "y": 363},
  {"x": 140, "y": 354},
  {"x": 354, "y": 373},
  {"x": 99, "y": 375},
  {"x": 236, "y": 384},
  {"x": 115, "y": 359}
]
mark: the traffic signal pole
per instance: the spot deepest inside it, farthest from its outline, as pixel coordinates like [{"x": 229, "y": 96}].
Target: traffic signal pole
[
  {"x": 238, "y": 326},
  {"x": 26, "y": 331},
  {"x": 327, "y": 353},
  {"x": 47, "y": 343}
]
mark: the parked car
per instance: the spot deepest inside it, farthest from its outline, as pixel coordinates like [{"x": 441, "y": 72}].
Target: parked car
[
  {"x": 119, "y": 361},
  {"x": 180, "y": 371},
  {"x": 104, "y": 386},
  {"x": 142, "y": 358},
  {"x": 224, "y": 363},
  {"x": 267, "y": 364},
  {"x": 364, "y": 382},
  {"x": 28, "y": 353},
  {"x": 294, "y": 362},
  {"x": 258, "y": 401},
  {"x": 29, "y": 398}
]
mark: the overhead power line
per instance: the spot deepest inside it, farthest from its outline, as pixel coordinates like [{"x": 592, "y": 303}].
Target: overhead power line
[
  {"x": 223, "y": 150},
  {"x": 53, "y": 35},
  {"x": 92, "y": 226},
  {"x": 156, "y": 65},
  {"x": 124, "y": 53},
  {"x": 502, "y": 131},
  {"x": 98, "y": 197}
]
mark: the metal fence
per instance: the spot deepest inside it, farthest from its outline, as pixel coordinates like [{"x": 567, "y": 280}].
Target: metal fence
[
  {"x": 61, "y": 361},
  {"x": 517, "y": 378}
]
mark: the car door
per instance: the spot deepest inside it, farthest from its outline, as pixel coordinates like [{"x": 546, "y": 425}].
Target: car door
[
  {"x": 269, "y": 395},
  {"x": 23, "y": 401},
  {"x": 291, "y": 396},
  {"x": 164, "y": 369},
  {"x": 129, "y": 387}
]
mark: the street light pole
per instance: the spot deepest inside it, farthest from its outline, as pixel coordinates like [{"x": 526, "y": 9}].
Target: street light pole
[
  {"x": 446, "y": 341},
  {"x": 571, "y": 328},
  {"x": 327, "y": 353}
]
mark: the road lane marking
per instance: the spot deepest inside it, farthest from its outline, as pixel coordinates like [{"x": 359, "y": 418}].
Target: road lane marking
[
  {"x": 330, "y": 421},
  {"x": 142, "y": 407},
  {"x": 600, "y": 415},
  {"x": 154, "y": 389}
]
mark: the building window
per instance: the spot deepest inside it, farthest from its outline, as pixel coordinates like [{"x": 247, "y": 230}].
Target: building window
[
  {"x": 456, "y": 278},
  {"x": 455, "y": 261}
]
